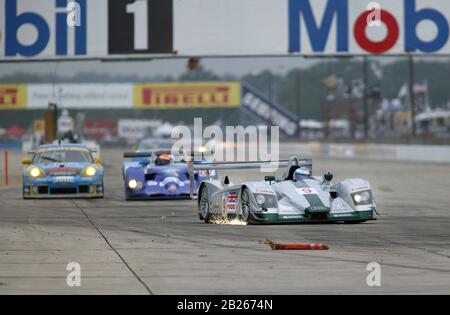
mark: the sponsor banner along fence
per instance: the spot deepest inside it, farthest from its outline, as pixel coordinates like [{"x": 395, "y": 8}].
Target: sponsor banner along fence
[
  {"x": 59, "y": 29},
  {"x": 155, "y": 96},
  {"x": 80, "y": 96},
  {"x": 70, "y": 96},
  {"x": 187, "y": 95}
]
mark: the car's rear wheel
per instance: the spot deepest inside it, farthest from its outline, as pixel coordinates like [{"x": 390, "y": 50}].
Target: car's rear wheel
[
  {"x": 245, "y": 205},
  {"x": 203, "y": 205}
]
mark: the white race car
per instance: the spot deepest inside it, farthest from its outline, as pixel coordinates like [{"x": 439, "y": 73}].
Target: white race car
[{"x": 291, "y": 199}]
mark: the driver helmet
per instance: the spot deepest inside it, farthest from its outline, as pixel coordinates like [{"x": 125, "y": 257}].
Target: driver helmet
[
  {"x": 302, "y": 173},
  {"x": 164, "y": 159}
]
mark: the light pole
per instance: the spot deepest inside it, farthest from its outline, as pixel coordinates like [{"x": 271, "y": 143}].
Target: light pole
[
  {"x": 412, "y": 97},
  {"x": 366, "y": 95}
]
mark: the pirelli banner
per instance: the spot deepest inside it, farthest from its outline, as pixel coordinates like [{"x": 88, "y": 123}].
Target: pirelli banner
[
  {"x": 187, "y": 95},
  {"x": 153, "y": 96},
  {"x": 105, "y": 29}
]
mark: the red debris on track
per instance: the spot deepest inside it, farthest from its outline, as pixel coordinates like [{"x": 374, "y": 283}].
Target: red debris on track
[{"x": 276, "y": 246}]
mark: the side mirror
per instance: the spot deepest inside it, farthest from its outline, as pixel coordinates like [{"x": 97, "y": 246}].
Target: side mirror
[
  {"x": 26, "y": 162},
  {"x": 98, "y": 160}
]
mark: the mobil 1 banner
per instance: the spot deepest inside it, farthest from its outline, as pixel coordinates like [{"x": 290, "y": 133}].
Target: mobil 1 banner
[
  {"x": 102, "y": 29},
  {"x": 140, "y": 27},
  {"x": 271, "y": 113}
]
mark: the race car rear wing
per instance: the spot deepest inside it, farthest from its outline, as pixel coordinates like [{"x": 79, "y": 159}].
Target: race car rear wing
[
  {"x": 267, "y": 165},
  {"x": 132, "y": 155},
  {"x": 237, "y": 165}
]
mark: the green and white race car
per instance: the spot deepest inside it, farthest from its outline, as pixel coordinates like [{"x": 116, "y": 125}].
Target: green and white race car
[{"x": 291, "y": 199}]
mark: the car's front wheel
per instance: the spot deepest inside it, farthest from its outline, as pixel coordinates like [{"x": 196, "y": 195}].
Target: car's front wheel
[
  {"x": 23, "y": 193},
  {"x": 103, "y": 187},
  {"x": 245, "y": 205}
]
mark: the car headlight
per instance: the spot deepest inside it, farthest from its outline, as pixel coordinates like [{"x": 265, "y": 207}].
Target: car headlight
[
  {"x": 90, "y": 171},
  {"x": 260, "y": 200},
  {"x": 36, "y": 172},
  {"x": 362, "y": 198},
  {"x": 135, "y": 184}
]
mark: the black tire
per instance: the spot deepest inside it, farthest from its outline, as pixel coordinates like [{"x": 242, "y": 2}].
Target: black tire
[
  {"x": 246, "y": 212},
  {"x": 200, "y": 216},
  {"x": 103, "y": 196},
  {"x": 203, "y": 205}
]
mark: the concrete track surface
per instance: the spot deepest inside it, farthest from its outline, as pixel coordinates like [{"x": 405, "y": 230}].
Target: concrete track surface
[{"x": 162, "y": 248}]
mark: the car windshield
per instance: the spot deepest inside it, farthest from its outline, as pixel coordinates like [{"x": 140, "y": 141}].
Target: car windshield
[{"x": 63, "y": 156}]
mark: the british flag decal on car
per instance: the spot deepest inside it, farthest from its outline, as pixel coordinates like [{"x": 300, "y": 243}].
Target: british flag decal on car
[{"x": 231, "y": 201}]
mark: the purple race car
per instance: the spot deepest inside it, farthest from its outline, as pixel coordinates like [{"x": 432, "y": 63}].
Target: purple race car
[{"x": 159, "y": 175}]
